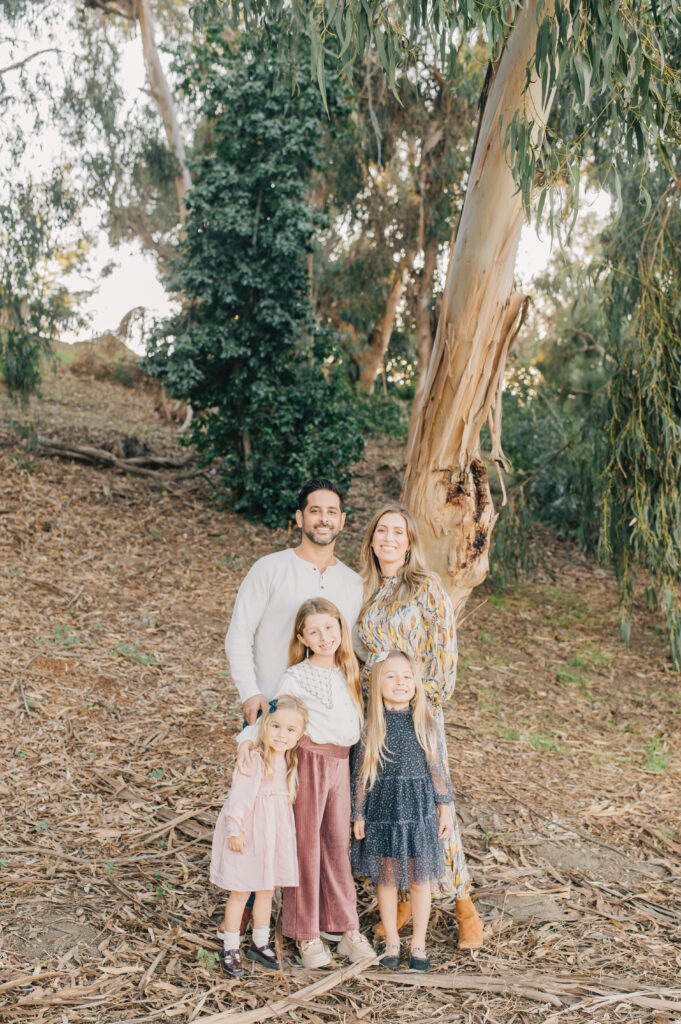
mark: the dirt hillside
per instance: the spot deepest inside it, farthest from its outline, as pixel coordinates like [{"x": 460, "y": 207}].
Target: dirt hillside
[{"x": 117, "y": 725}]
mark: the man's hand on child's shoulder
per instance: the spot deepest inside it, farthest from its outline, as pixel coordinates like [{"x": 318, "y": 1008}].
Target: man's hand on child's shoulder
[{"x": 252, "y": 707}]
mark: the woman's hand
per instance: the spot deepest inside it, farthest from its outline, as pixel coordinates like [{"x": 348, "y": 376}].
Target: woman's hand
[
  {"x": 445, "y": 818},
  {"x": 237, "y": 843},
  {"x": 358, "y": 829},
  {"x": 244, "y": 760}
]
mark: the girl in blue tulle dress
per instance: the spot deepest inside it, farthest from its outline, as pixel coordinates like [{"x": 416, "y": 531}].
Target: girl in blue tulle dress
[{"x": 401, "y": 797}]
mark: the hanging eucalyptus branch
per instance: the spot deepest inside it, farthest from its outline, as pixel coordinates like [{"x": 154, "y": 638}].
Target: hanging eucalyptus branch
[
  {"x": 606, "y": 58},
  {"x": 641, "y": 515}
]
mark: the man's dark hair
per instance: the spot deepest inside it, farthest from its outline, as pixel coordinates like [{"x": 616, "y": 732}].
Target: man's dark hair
[{"x": 318, "y": 483}]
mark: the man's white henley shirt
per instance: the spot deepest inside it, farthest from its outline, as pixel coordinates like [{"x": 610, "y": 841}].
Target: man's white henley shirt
[{"x": 264, "y": 613}]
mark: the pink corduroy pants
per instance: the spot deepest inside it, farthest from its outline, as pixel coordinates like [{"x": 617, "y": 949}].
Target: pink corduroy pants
[{"x": 325, "y": 898}]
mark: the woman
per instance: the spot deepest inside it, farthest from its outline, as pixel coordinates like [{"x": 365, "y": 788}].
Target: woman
[{"x": 406, "y": 607}]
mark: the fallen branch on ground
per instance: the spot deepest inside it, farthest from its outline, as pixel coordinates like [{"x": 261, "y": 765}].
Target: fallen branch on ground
[
  {"x": 137, "y": 465},
  {"x": 558, "y": 990},
  {"x": 282, "y": 1005}
]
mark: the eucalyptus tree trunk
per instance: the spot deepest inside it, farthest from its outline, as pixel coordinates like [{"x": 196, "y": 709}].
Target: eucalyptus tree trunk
[
  {"x": 163, "y": 98},
  {"x": 422, "y": 320},
  {"x": 446, "y": 483},
  {"x": 372, "y": 358},
  {"x": 142, "y": 12}
]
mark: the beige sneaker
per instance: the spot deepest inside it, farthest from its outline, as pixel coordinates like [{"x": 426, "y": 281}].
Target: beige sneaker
[
  {"x": 314, "y": 953},
  {"x": 355, "y": 947}
]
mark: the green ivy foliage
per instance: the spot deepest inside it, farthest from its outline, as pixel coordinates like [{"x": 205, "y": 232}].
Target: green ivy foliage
[{"x": 269, "y": 387}]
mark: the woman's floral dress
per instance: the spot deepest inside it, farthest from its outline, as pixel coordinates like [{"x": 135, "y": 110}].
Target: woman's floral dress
[{"x": 426, "y": 630}]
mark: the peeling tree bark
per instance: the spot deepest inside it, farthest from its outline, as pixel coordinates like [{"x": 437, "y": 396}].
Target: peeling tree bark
[
  {"x": 445, "y": 483},
  {"x": 372, "y": 358}
]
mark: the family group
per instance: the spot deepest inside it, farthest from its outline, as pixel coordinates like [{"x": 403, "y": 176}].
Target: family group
[{"x": 342, "y": 766}]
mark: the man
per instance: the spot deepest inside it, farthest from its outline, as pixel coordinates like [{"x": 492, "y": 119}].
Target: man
[{"x": 275, "y": 587}]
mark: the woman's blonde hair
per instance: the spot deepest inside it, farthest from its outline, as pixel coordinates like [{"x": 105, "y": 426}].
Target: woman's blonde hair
[
  {"x": 413, "y": 573},
  {"x": 287, "y": 702},
  {"x": 375, "y": 749},
  {"x": 345, "y": 656}
]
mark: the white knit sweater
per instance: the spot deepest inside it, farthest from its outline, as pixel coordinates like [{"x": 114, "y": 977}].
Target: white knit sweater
[{"x": 333, "y": 716}]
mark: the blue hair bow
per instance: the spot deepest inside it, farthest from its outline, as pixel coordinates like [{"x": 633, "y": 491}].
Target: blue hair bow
[{"x": 273, "y": 706}]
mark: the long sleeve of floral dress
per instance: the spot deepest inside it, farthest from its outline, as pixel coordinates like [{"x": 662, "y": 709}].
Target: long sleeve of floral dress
[{"x": 440, "y": 654}]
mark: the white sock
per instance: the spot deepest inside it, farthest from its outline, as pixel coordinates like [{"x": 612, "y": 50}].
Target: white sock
[
  {"x": 261, "y": 936},
  {"x": 230, "y": 940}
]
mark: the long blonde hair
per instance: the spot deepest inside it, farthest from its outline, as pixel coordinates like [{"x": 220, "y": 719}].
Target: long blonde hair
[
  {"x": 345, "y": 656},
  {"x": 413, "y": 573},
  {"x": 287, "y": 702},
  {"x": 375, "y": 748}
]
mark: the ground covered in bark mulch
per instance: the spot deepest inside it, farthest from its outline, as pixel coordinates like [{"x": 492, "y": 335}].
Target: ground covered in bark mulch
[{"x": 117, "y": 722}]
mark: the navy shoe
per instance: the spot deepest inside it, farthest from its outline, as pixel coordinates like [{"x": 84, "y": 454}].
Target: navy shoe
[
  {"x": 264, "y": 955},
  {"x": 418, "y": 963},
  {"x": 230, "y": 963},
  {"x": 392, "y": 960}
]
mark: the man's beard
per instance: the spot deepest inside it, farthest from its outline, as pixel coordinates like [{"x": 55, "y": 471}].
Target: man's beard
[{"x": 324, "y": 541}]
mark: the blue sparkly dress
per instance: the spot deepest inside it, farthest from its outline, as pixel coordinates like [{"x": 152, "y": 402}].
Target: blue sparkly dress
[{"x": 401, "y": 844}]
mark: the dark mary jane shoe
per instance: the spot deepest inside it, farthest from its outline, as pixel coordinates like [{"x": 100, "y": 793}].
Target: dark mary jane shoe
[
  {"x": 391, "y": 961},
  {"x": 230, "y": 963},
  {"x": 418, "y": 963},
  {"x": 264, "y": 955}
]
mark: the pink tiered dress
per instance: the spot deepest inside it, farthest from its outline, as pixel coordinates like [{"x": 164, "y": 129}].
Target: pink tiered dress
[{"x": 259, "y": 807}]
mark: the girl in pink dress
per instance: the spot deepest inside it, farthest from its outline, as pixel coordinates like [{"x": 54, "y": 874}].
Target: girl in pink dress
[{"x": 254, "y": 844}]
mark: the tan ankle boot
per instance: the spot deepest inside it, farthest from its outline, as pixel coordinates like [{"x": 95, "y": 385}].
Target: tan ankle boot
[
  {"x": 470, "y": 925},
  {"x": 403, "y": 915}
]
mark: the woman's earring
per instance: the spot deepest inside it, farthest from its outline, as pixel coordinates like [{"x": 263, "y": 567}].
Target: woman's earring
[{"x": 307, "y": 652}]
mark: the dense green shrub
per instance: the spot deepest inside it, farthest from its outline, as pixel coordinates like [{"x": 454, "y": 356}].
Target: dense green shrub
[
  {"x": 384, "y": 415},
  {"x": 595, "y": 437},
  {"x": 269, "y": 387}
]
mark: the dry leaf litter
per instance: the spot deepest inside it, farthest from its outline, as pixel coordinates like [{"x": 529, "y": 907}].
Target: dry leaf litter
[{"x": 118, "y": 718}]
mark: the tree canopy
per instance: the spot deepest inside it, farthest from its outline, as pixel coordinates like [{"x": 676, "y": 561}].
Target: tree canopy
[
  {"x": 35, "y": 305},
  {"x": 610, "y": 57}
]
